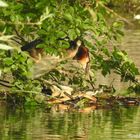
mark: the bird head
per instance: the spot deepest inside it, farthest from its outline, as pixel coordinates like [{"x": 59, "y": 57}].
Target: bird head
[
  {"x": 73, "y": 47},
  {"x": 78, "y": 43}
]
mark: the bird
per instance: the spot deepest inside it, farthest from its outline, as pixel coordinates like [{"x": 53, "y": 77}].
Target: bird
[
  {"x": 78, "y": 51},
  {"x": 73, "y": 47},
  {"x": 33, "y": 51},
  {"x": 82, "y": 56}
]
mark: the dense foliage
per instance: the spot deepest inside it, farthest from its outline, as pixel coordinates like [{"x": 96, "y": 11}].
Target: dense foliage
[{"x": 25, "y": 20}]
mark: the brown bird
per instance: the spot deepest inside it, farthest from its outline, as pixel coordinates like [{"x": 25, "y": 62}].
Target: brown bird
[
  {"x": 34, "y": 52},
  {"x": 74, "y": 45},
  {"x": 79, "y": 52},
  {"x": 82, "y": 56}
]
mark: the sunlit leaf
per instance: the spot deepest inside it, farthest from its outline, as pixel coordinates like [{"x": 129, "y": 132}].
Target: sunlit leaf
[
  {"x": 5, "y": 37},
  {"x": 5, "y": 47},
  {"x": 0, "y": 73},
  {"x": 3, "y": 4},
  {"x": 45, "y": 15}
]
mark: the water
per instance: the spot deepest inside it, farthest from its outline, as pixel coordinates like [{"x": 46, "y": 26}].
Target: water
[
  {"x": 131, "y": 44},
  {"x": 42, "y": 124}
]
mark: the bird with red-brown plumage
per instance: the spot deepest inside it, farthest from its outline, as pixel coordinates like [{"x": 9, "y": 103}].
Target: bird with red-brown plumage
[{"x": 78, "y": 51}]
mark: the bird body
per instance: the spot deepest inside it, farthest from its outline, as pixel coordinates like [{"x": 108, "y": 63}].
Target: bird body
[{"x": 82, "y": 56}]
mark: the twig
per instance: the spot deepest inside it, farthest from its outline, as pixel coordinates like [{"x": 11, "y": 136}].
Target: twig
[
  {"x": 50, "y": 83},
  {"x": 4, "y": 81},
  {"x": 68, "y": 95},
  {"x": 16, "y": 41},
  {"x": 24, "y": 91},
  {"x": 117, "y": 15},
  {"x": 9, "y": 86},
  {"x": 90, "y": 81},
  {"x": 54, "y": 78},
  {"x": 20, "y": 37}
]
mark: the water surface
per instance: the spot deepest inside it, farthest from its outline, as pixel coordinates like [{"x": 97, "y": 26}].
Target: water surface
[{"x": 41, "y": 124}]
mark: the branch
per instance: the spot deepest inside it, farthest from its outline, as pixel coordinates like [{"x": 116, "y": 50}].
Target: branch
[
  {"x": 20, "y": 37},
  {"x": 21, "y": 23},
  {"x": 117, "y": 15},
  {"x": 9, "y": 86},
  {"x": 20, "y": 91},
  {"x": 5, "y": 83},
  {"x": 16, "y": 41}
]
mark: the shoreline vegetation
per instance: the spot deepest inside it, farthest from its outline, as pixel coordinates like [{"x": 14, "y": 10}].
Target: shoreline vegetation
[{"x": 35, "y": 67}]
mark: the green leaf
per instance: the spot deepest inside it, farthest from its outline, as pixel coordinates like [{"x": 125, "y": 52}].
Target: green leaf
[
  {"x": 41, "y": 46},
  {"x": 120, "y": 32},
  {"x": 118, "y": 25},
  {"x": 106, "y": 51},
  {"x": 68, "y": 17},
  {"x": 71, "y": 10},
  {"x": 8, "y": 61},
  {"x": 60, "y": 34},
  {"x": 3, "y": 4},
  {"x": 124, "y": 56},
  {"x": 72, "y": 33}
]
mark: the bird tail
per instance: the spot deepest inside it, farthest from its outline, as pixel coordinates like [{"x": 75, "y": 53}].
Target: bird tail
[{"x": 31, "y": 44}]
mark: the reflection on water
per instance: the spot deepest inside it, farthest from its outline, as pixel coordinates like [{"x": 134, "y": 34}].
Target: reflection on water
[{"x": 41, "y": 124}]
